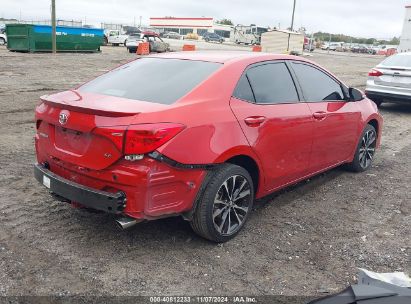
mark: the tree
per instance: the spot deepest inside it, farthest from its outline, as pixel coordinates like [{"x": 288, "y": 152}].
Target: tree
[{"x": 225, "y": 21}]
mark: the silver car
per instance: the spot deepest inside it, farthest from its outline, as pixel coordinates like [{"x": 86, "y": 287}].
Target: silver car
[{"x": 391, "y": 80}]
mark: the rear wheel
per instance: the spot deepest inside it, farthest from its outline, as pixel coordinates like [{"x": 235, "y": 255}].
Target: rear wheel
[
  {"x": 2, "y": 41},
  {"x": 364, "y": 155},
  {"x": 225, "y": 204}
]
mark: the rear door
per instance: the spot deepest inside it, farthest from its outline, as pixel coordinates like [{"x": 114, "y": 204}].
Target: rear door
[
  {"x": 276, "y": 124},
  {"x": 336, "y": 121}
]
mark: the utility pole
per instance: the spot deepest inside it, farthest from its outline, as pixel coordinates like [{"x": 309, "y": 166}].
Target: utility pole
[
  {"x": 329, "y": 44},
  {"x": 292, "y": 19},
  {"x": 53, "y": 27},
  {"x": 140, "y": 21},
  {"x": 292, "y": 26}
]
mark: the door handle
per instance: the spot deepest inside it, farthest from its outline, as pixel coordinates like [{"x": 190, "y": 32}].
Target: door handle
[
  {"x": 254, "y": 121},
  {"x": 320, "y": 115}
]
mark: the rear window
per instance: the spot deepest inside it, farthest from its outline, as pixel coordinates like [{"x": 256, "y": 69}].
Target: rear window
[
  {"x": 152, "y": 79},
  {"x": 398, "y": 61}
]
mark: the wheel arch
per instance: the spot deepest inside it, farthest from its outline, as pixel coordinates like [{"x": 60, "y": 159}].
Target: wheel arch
[
  {"x": 374, "y": 122},
  {"x": 249, "y": 164}
]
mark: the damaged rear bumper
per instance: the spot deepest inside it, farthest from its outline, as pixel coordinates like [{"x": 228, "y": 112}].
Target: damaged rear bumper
[{"x": 88, "y": 197}]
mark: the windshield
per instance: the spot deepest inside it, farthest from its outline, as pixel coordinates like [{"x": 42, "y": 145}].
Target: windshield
[
  {"x": 400, "y": 60},
  {"x": 152, "y": 79}
]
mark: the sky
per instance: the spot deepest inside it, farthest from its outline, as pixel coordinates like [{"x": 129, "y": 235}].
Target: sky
[{"x": 360, "y": 18}]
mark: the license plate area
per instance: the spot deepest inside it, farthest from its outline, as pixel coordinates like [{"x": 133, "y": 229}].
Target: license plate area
[{"x": 46, "y": 181}]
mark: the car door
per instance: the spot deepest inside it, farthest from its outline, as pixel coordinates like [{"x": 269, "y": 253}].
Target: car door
[
  {"x": 336, "y": 119},
  {"x": 276, "y": 124}
]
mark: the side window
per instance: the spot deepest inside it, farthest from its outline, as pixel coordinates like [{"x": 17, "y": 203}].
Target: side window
[
  {"x": 272, "y": 83},
  {"x": 316, "y": 85},
  {"x": 243, "y": 90}
]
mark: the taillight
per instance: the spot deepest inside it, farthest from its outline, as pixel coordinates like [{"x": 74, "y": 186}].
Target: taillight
[
  {"x": 145, "y": 138},
  {"x": 115, "y": 134},
  {"x": 375, "y": 73}
]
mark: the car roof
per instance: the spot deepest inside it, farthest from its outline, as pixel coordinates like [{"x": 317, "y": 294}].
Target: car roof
[{"x": 226, "y": 56}]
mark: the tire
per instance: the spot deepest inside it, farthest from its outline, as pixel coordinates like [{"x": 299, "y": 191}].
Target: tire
[
  {"x": 217, "y": 217},
  {"x": 378, "y": 102},
  {"x": 2, "y": 41},
  {"x": 365, "y": 152}
]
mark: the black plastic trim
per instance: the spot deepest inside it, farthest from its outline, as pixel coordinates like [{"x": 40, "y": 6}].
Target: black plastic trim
[
  {"x": 162, "y": 158},
  {"x": 388, "y": 96},
  {"x": 88, "y": 197}
]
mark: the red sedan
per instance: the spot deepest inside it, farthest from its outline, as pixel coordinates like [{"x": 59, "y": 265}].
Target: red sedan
[{"x": 200, "y": 135}]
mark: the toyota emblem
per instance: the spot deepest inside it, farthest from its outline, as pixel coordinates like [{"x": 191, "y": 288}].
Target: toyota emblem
[{"x": 63, "y": 117}]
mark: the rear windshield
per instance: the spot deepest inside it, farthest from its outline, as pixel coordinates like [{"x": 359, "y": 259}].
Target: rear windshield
[
  {"x": 398, "y": 61},
  {"x": 152, "y": 79}
]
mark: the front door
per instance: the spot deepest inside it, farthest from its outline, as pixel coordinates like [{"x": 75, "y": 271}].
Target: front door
[{"x": 336, "y": 121}]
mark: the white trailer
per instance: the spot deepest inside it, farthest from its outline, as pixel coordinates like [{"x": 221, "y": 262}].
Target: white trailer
[
  {"x": 247, "y": 34},
  {"x": 282, "y": 42},
  {"x": 405, "y": 42}
]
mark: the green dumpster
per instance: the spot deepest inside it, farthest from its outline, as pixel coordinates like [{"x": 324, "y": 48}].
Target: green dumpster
[{"x": 37, "y": 38}]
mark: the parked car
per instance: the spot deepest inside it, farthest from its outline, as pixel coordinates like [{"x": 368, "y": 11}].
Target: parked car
[
  {"x": 330, "y": 46},
  {"x": 171, "y": 35},
  {"x": 133, "y": 41},
  {"x": 156, "y": 43},
  {"x": 3, "y": 37},
  {"x": 145, "y": 142},
  {"x": 361, "y": 49},
  {"x": 309, "y": 47},
  {"x": 391, "y": 80},
  {"x": 191, "y": 36},
  {"x": 213, "y": 37}
]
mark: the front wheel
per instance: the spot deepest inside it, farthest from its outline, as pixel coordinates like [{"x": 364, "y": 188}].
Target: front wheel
[
  {"x": 364, "y": 155},
  {"x": 225, "y": 204},
  {"x": 2, "y": 41}
]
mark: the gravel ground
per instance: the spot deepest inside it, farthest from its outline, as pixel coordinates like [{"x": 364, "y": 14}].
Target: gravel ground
[{"x": 306, "y": 240}]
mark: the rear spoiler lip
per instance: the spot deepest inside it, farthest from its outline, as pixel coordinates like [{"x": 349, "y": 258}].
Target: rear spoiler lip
[{"x": 100, "y": 112}]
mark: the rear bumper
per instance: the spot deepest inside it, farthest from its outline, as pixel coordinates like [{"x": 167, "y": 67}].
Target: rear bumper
[
  {"x": 390, "y": 93},
  {"x": 151, "y": 188},
  {"x": 88, "y": 197},
  {"x": 398, "y": 98}
]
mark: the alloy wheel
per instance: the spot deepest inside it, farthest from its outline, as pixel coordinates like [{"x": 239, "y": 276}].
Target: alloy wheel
[
  {"x": 367, "y": 149},
  {"x": 231, "y": 205}
]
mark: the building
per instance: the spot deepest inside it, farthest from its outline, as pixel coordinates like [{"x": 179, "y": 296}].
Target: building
[
  {"x": 183, "y": 26},
  {"x": 405, "y": 42}
]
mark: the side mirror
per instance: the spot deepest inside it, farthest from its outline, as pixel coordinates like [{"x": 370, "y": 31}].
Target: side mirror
[{"x": 355, "y": 94}]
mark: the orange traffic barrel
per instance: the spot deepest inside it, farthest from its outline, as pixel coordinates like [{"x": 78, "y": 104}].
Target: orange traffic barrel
[
  {"x": 189, "y": 47},
  {"x": 257, "y": 48},
  {"x": 143, "y": 48}
]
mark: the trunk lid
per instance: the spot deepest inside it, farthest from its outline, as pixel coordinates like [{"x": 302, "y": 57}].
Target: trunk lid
[
  {"x": 86, "y": 129},
  {"x": 394, "y": 77}
]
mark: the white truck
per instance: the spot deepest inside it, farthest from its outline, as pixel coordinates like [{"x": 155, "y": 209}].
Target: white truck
[
  {"x": 3, "y": 37},
  {"x": 282, "y": 42},
  {"x": 248, "y": 34},
  {"x": 115, "y": 37}
]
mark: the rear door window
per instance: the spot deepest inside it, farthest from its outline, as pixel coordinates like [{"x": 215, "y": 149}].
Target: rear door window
[
  {"x": 272, "y": 83},
  {"x": 243, "y": 90},
  {"x": 158, "y": 80},
  {"x": 399, "y": 60},
  {"x": 316, "y": 85}
]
